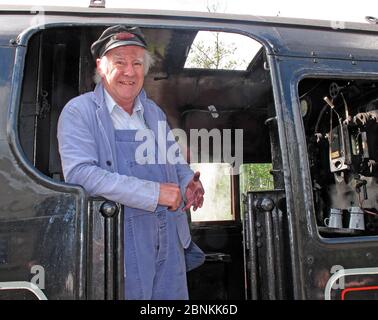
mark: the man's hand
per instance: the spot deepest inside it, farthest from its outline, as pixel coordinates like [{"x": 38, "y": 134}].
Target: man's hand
[
  {"x": 194, "y": 193},
  {"x": 170, "y": 196}
]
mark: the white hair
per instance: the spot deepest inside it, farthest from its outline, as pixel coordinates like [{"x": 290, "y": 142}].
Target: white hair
[{"x": 148, "y": 61}]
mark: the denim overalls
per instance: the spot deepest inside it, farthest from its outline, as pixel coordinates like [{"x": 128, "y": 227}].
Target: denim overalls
[{"x": 154, "y": 256}]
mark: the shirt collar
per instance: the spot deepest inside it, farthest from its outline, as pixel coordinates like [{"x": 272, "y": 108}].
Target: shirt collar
[{"x": 111, "y": 104}]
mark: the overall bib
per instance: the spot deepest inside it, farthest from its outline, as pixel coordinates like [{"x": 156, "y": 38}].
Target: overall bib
[{"x": 154, "y": 256}]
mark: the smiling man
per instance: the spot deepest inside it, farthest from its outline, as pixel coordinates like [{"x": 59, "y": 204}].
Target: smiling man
[{"x": 97, "y": 143}]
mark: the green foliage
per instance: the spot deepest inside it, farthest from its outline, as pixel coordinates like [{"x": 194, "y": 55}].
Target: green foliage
[{"x": 256, "y": 177}]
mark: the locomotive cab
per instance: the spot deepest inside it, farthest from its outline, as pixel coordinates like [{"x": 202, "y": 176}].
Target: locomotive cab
[{"x": 284, "y": 135}]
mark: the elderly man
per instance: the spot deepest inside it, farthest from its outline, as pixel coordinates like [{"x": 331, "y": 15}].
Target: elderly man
[{"x": 97, "y": 143}]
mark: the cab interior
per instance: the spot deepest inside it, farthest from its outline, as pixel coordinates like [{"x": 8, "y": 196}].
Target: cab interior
[{"x": 59, "y": 66}]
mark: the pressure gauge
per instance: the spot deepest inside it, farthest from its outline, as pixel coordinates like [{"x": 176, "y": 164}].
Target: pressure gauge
[{"x": 305, "y": 106}]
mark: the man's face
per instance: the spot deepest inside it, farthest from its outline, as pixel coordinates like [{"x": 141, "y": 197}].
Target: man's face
[{"x": 122, "y": 72}]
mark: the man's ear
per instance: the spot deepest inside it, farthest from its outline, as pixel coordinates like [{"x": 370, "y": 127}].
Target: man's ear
[{"x": 99, "y": 67}]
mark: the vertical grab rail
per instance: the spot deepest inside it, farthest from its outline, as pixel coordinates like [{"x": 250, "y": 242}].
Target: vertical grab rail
[
  {"x": 266, "y": 205},
  {"x": 250, "y": 238},
  {"x": 109, "y": 211},
  {"x": 245, "y": 234},
  {"x": 120, "y": 267}
]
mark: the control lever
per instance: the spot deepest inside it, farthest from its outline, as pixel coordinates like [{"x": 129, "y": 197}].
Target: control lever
[
  {"x": 339, "y": 151},
  {"x": 359, "y": 184},
  {"x": 329, "y": 102}
]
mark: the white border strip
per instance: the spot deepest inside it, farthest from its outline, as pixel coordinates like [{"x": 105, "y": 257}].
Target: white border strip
[
  {"x": 14, "y": 285},
  {"x": 345, "y": 272}
]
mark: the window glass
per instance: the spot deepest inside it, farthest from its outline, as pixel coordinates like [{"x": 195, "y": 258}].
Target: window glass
[
  {"x": 216, "y": 181},
  {"x": 221, "y": 50}
]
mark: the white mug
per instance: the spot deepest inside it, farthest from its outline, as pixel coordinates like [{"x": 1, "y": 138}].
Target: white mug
[
  {"x": 335, "y": 219},
  {"x": 357, "y": 219}
]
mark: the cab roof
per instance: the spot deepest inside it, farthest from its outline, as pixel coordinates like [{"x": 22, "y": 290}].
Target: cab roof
[
  {"x": 72, "y": 11},
  {"x": 281, "y": 36}
]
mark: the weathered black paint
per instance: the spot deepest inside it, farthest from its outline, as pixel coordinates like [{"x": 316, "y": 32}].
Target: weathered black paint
[{"x": 55, "y": 225}]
